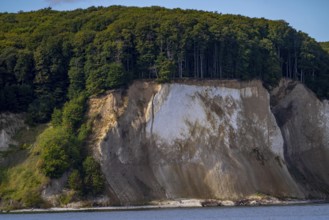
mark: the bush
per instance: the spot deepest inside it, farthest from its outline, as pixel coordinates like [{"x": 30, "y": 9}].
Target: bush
[
  {"x": 84, "y": 131},
  {"x": 93, "y": 178},
  {"x": 75, "y": 181},
  {"x": 117, "y": 76},
  {"x": 59, "y": 151},
  {"x": 55, "y": 161},
  {"x": 33, "y": 199},
  {"x": 56, "y": 117},
  {"x": 40, "y": 110},
  {"x": 73, "y": 113}
]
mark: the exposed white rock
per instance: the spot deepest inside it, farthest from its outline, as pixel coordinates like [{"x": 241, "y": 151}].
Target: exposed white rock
[
  {"x": 178, "y": 108},
  {"x": 176, "y": 111},
  {"x": 9, "y": 124}
]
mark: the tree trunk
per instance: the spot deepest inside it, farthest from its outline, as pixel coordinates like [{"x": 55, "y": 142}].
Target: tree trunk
[
  {"x": 195, "y": 61},
  {"x": 201, "y": 64},
  {"x": 180, "y": 68}
]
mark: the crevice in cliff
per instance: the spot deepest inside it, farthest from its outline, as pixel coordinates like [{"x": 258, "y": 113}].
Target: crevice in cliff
[{"x": 152, "y": 113}]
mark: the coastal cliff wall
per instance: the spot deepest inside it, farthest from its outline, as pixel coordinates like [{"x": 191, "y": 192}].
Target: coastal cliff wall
[
  {"x": 210, "y": 139},
  {"x": 304, "y": 122}
]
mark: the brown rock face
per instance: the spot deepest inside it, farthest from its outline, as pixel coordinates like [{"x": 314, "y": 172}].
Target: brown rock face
[{"x": 209, "y": 139}]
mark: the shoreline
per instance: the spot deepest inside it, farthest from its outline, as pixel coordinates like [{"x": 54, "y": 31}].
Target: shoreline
[{"x": 172, "y": 204}]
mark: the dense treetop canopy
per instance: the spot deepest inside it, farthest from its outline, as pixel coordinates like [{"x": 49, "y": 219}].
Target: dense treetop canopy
[
  {"x": 325, "y": 46},
  {"x": 49, "y": 57}
]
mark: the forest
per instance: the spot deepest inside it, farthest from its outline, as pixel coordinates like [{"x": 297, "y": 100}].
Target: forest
[{"x": 49, "y": 57}]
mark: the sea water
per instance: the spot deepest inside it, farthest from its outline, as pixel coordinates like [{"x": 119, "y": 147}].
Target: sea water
[{"x": 292, "y": 212}]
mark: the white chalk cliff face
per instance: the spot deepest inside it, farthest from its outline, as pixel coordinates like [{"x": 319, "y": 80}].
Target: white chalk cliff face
[{"x": 208, "y": 139}]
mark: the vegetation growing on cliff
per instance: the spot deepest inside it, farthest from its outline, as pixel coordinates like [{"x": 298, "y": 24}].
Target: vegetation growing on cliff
[{"x": 21, "y": 181}]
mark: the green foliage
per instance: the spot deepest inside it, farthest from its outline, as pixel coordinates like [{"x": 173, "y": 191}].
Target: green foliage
[
  {"x": 21, "y": 182},
  {"x": 166, "y": 68},
  {"x": 66, "y": 197},
  {"x": 76, "y": 76},
  {"x": 56, "y": 160},
  {"x": 60, "y": 150},
  {"x": 84, "y": 131},
  {"x": 32, "y": 198},
  {"x": 48, "y": 56},
  {"x": 57, "y": 117},
  {"x": 16, "y": 97},
  {"x": 96, "y": 81},
  {"x": 40, "y": 109},
  {"x": 75, "y": 181},
  {"x": 325, "y": 46},
  {"x": 116, "y": 75},
  {"x": 73, "y": 113},
  {"x": 2, "y": 175},
  {"x": 93, "y": 177}
]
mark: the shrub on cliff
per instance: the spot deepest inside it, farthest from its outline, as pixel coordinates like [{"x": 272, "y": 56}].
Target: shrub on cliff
[
  {"x": 75, "y": 181},
  {"x": 59, "y": 152},
  {"x": 73, "y": 113},
  {"x": 93, "y": 177}
]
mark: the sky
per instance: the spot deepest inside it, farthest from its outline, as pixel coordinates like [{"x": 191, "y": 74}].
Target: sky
[{"x": 310, "y": 16}]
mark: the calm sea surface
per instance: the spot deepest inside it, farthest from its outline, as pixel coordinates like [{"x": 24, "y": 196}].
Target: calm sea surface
[{"x": 320, "y": 211}]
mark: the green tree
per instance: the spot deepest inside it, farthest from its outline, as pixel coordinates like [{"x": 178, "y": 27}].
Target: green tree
[
  {"x": 165, "y": 69},
  {"x": 75, "y": 181},
  {"x": 325, "y": 46},
  {"x": 57, "y": 117},
  {"x": 40, "y": 109},
  {"x": 77, "y": 77},
  {"x": 117, "y": 76},
  {"x": 93, "y": 177},
  {"x": 73, "y": 113},
  {"x": 96, "y": 81},
  {"x": 56, "y": 160},
  {"x": 60, "y": 150}
]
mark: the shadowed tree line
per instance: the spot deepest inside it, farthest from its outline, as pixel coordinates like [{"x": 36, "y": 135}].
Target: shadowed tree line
[{"x": 49, "y": 57}]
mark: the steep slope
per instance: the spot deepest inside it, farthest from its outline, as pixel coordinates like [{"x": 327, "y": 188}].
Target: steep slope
[
  {"x": 304, "y": 121},
  {"x": 202, "y": 139}
]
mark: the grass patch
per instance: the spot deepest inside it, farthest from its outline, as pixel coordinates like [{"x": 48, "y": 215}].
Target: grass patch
[
  {"x": 21, "y": 183},
  {"x": 27, "y": 136}
]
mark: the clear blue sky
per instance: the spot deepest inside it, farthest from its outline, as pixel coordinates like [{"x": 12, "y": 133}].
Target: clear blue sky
[{"x": 310, "y": 16}]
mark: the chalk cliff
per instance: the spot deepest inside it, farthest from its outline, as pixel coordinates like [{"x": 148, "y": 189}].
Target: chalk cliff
[
  {"x": 304, "y": 122},
  {"x": 211, "y": 139}
]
